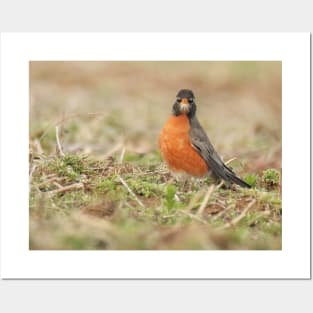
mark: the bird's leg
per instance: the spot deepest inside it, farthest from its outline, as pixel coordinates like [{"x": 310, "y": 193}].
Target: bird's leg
[
  {"x": 196, "y": 183},
  {"x": 210, "y": 179},
  {"x": 185, "y": 183},
  {"x": 180, "y": 180},
  {"x": 228, "y": 185}
]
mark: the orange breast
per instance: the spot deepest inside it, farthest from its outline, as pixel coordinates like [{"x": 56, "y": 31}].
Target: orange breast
[{"x": 176, "y": 148}]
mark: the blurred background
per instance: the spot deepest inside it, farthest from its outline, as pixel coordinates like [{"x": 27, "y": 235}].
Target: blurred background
[{"x": 105, "y": 104}]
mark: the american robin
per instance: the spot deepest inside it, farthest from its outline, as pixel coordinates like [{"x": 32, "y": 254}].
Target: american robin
[{"x": 186, "y": 148}]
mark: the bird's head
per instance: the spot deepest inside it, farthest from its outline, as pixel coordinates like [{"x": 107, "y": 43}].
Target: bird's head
[{"x": 185, "y": 103}]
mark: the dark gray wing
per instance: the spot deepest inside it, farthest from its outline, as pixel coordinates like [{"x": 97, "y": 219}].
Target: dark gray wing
[{"x": 203, "y": 146}]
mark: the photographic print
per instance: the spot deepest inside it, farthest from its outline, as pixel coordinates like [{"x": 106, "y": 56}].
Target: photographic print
[
  {"x": 140, "y": 156},
  {"x": 155, "y": 155}
]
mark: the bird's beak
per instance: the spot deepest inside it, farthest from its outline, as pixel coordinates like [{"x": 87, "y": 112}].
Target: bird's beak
[{"x": 184, "y": 105}]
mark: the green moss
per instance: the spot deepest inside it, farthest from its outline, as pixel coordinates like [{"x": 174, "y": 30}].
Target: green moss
[
  {"x": 107, "y": 184},
  {"x": 251, "y": 179},
  {"x": 144, "y": 188},
  {"x": 69, "y": 166},
  {"x": 271, "y": 177},
  {"x": 271, "y": 197},
  {"x": 170, "y": 197}
]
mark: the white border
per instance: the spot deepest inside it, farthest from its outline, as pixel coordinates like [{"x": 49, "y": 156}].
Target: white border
[{"x": 18, "y": 262}]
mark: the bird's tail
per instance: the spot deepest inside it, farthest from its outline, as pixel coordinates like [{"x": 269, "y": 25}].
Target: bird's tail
[{"x": 233, "y": 178}]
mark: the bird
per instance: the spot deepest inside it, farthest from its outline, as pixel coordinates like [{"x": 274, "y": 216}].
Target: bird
[{"x": 186, "y": 148}]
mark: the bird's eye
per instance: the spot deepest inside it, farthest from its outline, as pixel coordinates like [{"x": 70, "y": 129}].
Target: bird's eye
[
  {"x": 178, "y": 99},
  {"x": 190, "y": 100}
]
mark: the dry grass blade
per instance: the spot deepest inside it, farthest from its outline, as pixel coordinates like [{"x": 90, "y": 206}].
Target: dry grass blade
[
  {"x": 194, "y": 200},
  {"x": 240, "y": 216},
  {"x": 67, "y": 188},
  {"x": 50, "y": 180},
  {"x": 38, "y": 146},
  {"x": 206, "y": 199},
  {"x": 60, "y": 151},
  {"x": 114, "y": 149},
  {"x": 122, "y": 155},
  {"x": 60, "y": 121},
  {"x": 130, "y": 191},
  {"x": 230, "y": 160},
  {"x": 31, "y": 172},
  {"x": 218, "y": 215},
  {"x": 176, "y": 197},
  {"x": 194, "y": 217},
  {"x": 211, "y": 189},
  {"x": 57, "y": 185}
]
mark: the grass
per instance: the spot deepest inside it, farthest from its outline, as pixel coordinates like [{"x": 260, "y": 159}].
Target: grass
[
  {"x": 111, "y": 190},
  {"x": 102, "y": 214}
]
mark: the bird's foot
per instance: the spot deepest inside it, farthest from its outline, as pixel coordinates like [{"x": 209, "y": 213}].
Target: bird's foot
[{"x": 229, "y": 185}]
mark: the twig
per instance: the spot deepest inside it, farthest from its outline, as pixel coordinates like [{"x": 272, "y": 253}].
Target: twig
[
  {"x": 240, "y": 216},
  {"x": 220, "y": 204},
  {"x": 67, "y": 188},
  {"x": 50, "y": 180},
  {"x": 219, "y": 214},
  {"x": 50, "y": 176},
  {"x": 193, "y": 216},
  {"x": 57, "y": 185},
  {"x": 130, "y": 191},
  {"x": 58, "y": 141}
]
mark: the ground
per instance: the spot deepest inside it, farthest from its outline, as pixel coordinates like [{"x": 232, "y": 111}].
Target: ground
[{"x": 108, "y": 188}]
